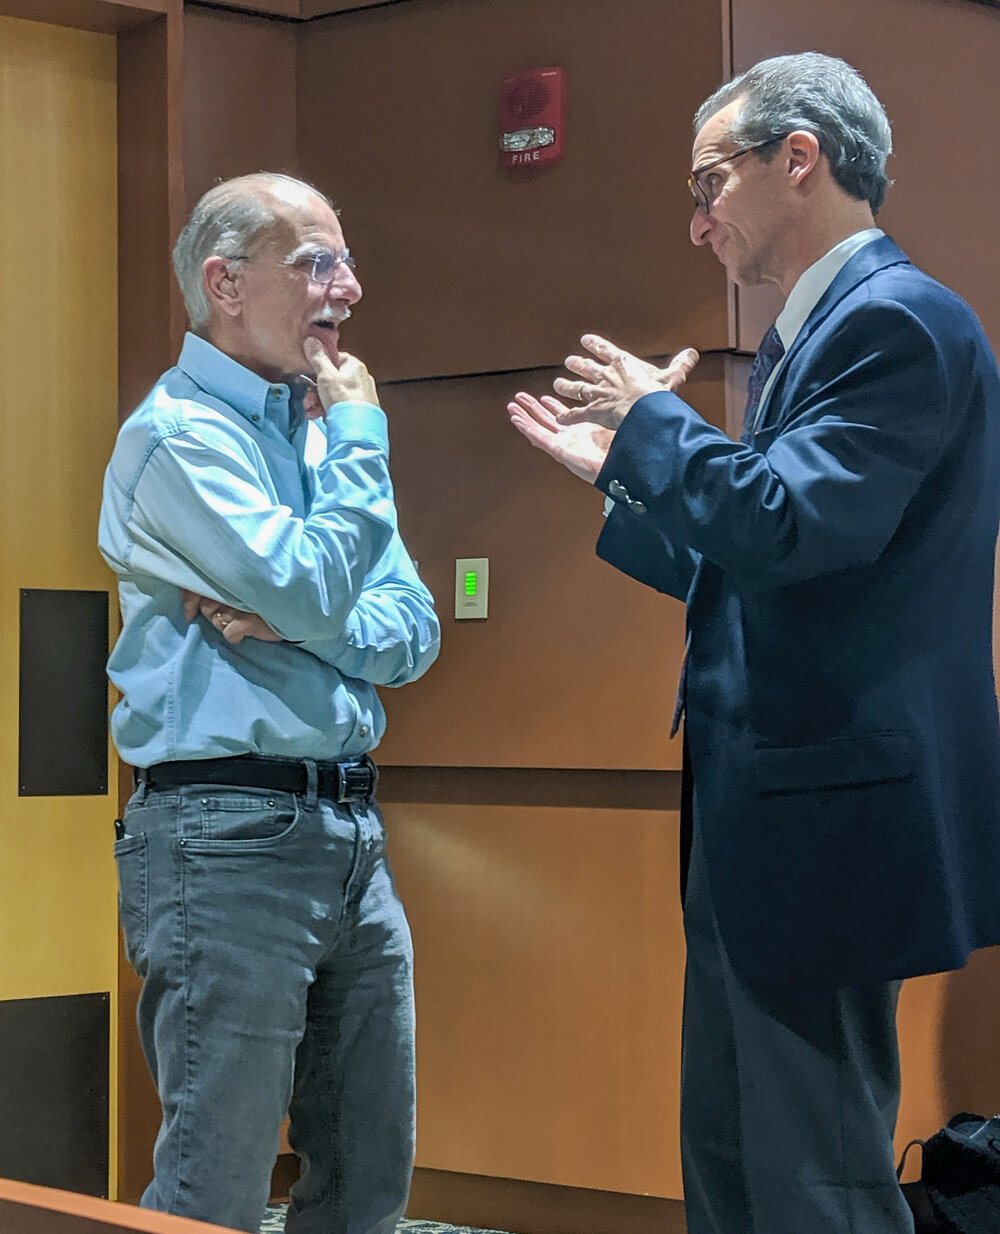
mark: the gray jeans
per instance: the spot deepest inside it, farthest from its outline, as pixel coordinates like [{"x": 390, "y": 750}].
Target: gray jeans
[{"x": 277, "y": 977}]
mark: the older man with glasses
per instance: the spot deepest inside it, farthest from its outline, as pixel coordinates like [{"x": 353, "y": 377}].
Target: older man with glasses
[
  {"x": 841, "y": 827},
  {"x": 265, "y": 593}
]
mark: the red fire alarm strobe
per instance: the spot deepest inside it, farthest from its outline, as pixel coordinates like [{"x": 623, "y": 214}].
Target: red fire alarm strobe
[{"x": 532, "y": 118}]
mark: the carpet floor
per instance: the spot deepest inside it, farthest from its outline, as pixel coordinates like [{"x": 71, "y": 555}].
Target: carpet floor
[{"x": 274, "y": 1223}]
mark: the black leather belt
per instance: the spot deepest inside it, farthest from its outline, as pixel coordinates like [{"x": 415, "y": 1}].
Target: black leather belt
[{"x": 352, "y": 780}]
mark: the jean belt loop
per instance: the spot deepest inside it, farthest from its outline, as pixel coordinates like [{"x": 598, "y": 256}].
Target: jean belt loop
[
  {"x": 141, "y": 785},
  {"x": 312, "y": 783}
]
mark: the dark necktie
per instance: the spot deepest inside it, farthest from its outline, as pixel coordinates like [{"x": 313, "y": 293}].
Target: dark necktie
[{"x": 768, "y": 354}]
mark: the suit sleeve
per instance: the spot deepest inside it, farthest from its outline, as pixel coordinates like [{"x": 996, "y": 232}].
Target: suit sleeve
[
  {"x": 636, "y": 546},
  {"x": 861, "y": 433}
]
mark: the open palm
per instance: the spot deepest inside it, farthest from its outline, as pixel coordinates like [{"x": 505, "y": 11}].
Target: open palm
[{"x": 581, "y": 448}]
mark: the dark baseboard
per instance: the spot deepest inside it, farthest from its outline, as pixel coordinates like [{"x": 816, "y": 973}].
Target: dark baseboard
[
  {"x": 545, "y": 1208},
  {"x": 538, "y": 1208},
  {"x": 520, "y": 1207}
]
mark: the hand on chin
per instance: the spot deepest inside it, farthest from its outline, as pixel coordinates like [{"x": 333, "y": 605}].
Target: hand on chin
[{"x": 330, "y": 339}]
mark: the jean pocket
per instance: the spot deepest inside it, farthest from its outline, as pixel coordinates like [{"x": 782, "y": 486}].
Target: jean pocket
[
  {"x": 133, "y": 895},
  {"x": 232, "y": 819}
]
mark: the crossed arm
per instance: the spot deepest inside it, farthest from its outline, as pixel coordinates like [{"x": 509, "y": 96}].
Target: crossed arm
[
  {"x": 338, "y": 583},
  {"x": 232, "y": 623}
]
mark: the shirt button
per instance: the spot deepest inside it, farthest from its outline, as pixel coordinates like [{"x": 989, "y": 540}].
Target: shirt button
[
  {"x": 275, "y": 392},
  {"x": 364, "y": 730},
  {"x": 255, "y": 417}
]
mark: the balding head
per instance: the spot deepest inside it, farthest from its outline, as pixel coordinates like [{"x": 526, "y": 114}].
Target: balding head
[
  {"x": 263, "y": 266},
  {"x": 235, "y": 219}
]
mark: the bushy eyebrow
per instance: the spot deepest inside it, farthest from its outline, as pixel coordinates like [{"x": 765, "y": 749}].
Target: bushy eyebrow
[{"x": 304, "y": 251}]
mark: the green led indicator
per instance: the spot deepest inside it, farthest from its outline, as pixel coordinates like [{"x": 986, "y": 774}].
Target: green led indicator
[{"x": 471, "y": 583}]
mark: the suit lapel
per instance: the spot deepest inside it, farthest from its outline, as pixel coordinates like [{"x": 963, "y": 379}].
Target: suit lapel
[{"x": 879, "y": 255}]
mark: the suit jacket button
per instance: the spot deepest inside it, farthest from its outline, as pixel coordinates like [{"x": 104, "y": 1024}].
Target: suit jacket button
[
  {"x": 617, "y": 491},
  {"x": 637, "y": 507}
]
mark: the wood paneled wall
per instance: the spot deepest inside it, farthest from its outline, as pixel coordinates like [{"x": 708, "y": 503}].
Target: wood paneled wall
[
  {"x": 150, "y": 199},
  {"x": 469, "y": 268},
  {"x": 239, "y": 95},
  {"x": 577, "y": 665},
  {"x": 548, "y": 1006},
  {"x": 475, "y": 270}
]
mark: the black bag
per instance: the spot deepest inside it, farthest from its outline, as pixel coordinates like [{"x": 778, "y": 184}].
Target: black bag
[{"x": 961, "y": 1175}]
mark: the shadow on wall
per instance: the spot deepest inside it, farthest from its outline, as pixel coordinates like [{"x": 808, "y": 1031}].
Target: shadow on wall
[{"x": 970, "y": 1025}]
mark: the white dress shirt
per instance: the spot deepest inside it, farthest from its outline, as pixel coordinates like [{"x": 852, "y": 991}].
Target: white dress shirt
[{"x": 807, "y": 293}]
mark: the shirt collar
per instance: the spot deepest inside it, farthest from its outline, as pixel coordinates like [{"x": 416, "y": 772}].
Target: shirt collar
[
  {"x": 812, "y": 283},
  {"x": 229, "y": 381}
]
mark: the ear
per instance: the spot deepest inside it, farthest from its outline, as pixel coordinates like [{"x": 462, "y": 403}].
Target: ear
[
  {"x": 803, "y": 155},
  {"x": 222, "y": 285}
]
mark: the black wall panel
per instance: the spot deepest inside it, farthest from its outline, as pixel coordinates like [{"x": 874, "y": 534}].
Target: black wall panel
[
  {"x": 54, "y": 1078},
  {"x": 63, "y": 747}
]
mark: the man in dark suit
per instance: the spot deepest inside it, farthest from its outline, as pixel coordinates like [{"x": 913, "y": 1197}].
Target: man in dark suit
[{"x": 842, "y": 819}]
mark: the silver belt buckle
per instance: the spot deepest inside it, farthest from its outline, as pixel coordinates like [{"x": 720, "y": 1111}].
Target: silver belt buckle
[{"x": 356, "y": 780}]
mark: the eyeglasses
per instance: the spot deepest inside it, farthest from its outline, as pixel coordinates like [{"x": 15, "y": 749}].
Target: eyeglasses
[
  {"x": 706, "y": 192},
  {"x": 321, "y": 267}
]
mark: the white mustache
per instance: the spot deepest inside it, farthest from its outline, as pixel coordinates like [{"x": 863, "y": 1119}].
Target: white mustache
[{"x": 336, "y": 315}]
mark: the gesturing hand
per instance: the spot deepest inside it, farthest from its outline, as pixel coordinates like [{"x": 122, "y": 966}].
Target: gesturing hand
[
  {"x": 348, "y": 382},
  {"x": 614, "y": 381},
  {"x": 582, "y": 448},
  {"x": 232, "y": 623}
]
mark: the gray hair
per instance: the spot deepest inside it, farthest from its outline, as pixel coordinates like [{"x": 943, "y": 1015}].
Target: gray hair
[
  {"x": 233, "y": 219},
  {"x": 819, "y": 94}
]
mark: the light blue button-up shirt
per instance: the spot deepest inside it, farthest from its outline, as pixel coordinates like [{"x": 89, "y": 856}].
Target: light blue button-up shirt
[{"x": 218, "y": 484}]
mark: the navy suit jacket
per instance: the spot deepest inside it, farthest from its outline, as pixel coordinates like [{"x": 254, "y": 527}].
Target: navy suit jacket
[{"x": 841, "y": 715}]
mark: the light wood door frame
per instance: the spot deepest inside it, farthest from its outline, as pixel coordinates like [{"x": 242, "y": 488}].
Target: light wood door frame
[{"x": 151, "y": 322}]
